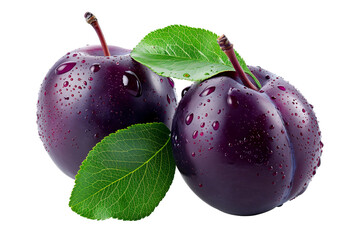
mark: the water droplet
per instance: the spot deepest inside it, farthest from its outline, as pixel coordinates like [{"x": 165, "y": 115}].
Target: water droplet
[
  {"x": 171, "y": 82},
  {"x": 65, "y": 84},
  {"x": 282, "y": 88},
  {"x": 189, "y": 118},
  {"x": 216, "y": 125},
  {"x": 195, "y": 134},
  {"x": 200, "y": 185},
  {"x": 186, "y": 75},
  {"x": 202, "y": 125},
  {"x": 83, "y": 61},
  {"x": 132, "y": 83},
  {"x": 65, "y": 67},
  {"x": 303, "y": 110},
  {"x": 168, "y": 99},
  {"x": 95, "y": 67},
  {"x": 193, "y": 154},
  {"x": 184, "y": 91},
  {"x": 271, "y": 127},
  {"x": 207, "y": 91},
  {"x": 233, "y": 101}
]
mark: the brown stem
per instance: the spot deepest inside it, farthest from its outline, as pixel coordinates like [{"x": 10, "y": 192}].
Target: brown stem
[
  {"x": 91, "y": 19},
  {"x": 228, "y": 49}
]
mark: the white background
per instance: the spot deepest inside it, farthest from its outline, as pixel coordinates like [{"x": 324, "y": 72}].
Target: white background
[{"x": 312, "y": 44}]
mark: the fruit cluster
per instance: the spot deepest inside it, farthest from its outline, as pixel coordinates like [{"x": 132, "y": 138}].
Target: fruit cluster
[{"x": 242, "y": 148}]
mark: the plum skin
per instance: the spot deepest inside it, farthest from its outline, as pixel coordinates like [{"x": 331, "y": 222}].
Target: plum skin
[
  {"x": 245, "y": 152},
  {"x": 99, "y": 95}
]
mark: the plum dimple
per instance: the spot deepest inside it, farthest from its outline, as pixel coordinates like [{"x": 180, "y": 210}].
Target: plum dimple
[{"x": 302, "y": 127}]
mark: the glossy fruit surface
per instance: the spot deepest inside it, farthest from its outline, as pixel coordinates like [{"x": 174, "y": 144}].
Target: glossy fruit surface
[
  {"x": 242, "y": 151},
  {"x": 86, "y": 96}
]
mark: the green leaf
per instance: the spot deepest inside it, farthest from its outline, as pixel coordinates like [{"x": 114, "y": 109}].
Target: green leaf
[
  {"x": 126, "y": 175},
  {"x": 185, "y": 53}
]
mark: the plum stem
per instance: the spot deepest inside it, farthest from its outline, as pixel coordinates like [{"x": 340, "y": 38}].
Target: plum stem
[
  {"x": 92, "y": 20},
  {"x": 228, "y": 49}
]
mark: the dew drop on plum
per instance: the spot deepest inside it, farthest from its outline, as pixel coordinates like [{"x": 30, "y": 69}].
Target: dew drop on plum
[
  {"x": 195, "y": 134},
  {"x": 282, "y": 88},
  {"x": 95, "y": 67},
  {"x": 171, "y": 82},
  {"x": 132, "y": 83},
  {"x": 189, "y": 118},
  {"x": 64, "y": 68},
  {"x": 207, "y": 91},
  {"x": 233, "y": 101},
  {"x": 184, "y": 91},
  {"x": 216, "y": 125}
]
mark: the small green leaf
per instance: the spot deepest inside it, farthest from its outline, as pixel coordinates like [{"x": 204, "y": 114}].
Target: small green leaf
[
  {"x": 185, "y": 53},
  {"x": 126, "y": 175}
]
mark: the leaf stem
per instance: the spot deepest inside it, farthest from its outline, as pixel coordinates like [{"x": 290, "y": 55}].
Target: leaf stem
[
  {"x": 228, "y": 49},
  {"x": 92, "y": 20}
]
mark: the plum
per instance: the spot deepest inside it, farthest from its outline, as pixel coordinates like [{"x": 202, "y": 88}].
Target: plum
[
  {"x": 86, "y": 96},
  {"x": 244, "y": 150}
]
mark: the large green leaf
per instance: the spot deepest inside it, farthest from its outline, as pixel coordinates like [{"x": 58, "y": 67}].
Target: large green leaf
[
  {"x": 126, "y": 175},
  {"x": 184, "y": 52}
]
